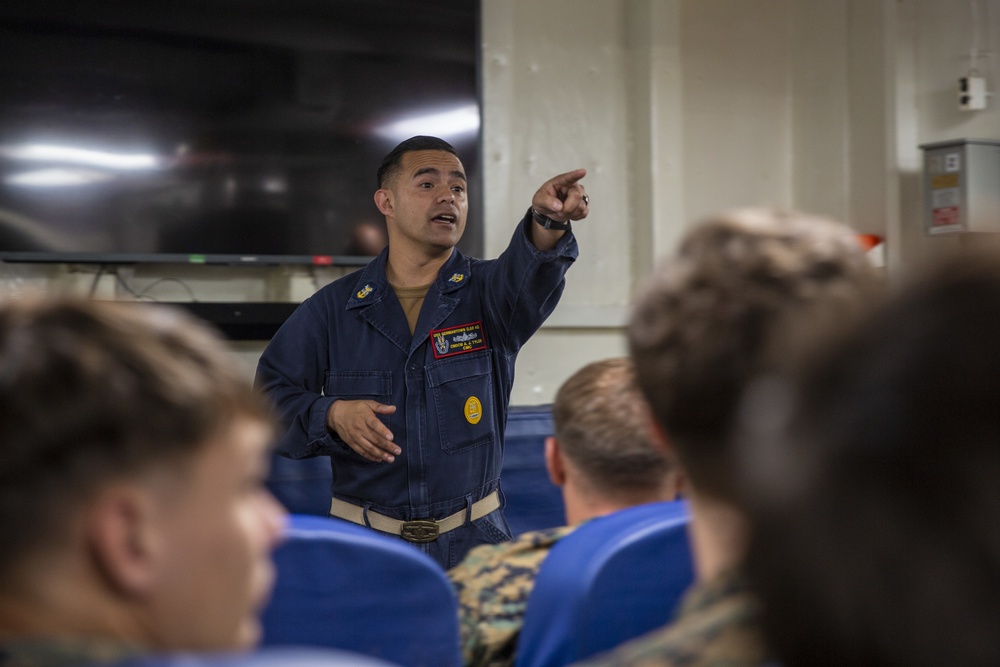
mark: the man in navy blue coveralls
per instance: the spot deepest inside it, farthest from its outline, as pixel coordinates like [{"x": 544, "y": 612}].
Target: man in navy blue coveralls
[{"x": 401, "y": 372}]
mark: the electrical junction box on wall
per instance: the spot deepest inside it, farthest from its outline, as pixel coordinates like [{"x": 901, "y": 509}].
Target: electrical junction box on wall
[
  {"x": 962, "y": 186},
  {"x": 972, "y": 93}
]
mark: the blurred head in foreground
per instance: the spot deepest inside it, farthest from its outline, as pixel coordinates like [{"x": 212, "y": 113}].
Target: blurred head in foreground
[
  {"x": 730, "y": 305},
  {"x": 726, "y": 308},
  {"x": 133, "y": 456},
  {"x": 878, "y": 507}
]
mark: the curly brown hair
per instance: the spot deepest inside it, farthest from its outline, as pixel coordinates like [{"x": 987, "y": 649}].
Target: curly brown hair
[{"x": 728, "y": 307}]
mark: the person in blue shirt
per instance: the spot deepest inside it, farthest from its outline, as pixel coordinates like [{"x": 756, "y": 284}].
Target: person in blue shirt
[{"x": 401, "y": 372}]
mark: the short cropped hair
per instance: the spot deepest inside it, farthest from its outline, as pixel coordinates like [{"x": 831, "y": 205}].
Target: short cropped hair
[
  {"x": 876, "y": 536},
  {"x": 95, "y": 391},
  {"x": 392, "y": 162},
  {"x": 720, "y": 312},
  {"x": 603, "y": 425}
]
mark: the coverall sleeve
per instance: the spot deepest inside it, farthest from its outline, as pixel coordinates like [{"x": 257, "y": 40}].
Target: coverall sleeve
[
  {"x": 524, "y": 284},
  {"x": 291, "y": 371}
]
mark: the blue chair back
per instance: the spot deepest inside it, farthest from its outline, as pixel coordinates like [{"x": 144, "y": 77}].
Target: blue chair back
[
  {"x": 613, "y": 578},
  {"x": 533, "y": 502},
  {"x": 301, "y": 485},
  {"x": 343, "y": 586}
]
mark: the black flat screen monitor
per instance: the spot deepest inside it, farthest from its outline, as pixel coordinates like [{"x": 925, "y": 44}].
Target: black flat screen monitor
[{"x": 222, "y": 131}]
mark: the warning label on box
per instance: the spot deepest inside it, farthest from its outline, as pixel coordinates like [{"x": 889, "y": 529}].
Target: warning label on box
[{"x": 947, "y": 216}]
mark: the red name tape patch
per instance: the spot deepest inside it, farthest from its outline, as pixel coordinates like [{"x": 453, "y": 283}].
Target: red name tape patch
[{"x": 458, "y": 340}]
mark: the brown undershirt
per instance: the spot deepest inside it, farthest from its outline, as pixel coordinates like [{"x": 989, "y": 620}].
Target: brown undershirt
[{"x": 411, "y": 299}]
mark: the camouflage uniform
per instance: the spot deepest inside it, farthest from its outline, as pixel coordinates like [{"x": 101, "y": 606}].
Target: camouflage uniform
[
  {"x": 62, "y": 653},
  {"x": 718, "y": 624},
  {"x": 493, "y": 584}
]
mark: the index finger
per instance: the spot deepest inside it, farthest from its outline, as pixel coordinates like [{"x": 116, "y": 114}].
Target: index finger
[{"x": 569, "y": 178}]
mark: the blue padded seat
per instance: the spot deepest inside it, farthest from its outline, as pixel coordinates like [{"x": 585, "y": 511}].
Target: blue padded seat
[
  {"x": 301, "y": 485},
  {"x": 346, "y": 587},
  {"x": 533, "y": 501},
  {"x": 613, "y": 578}
]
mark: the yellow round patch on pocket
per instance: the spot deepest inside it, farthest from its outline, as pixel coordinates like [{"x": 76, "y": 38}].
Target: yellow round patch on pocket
[{"x": 473, "y": 410}]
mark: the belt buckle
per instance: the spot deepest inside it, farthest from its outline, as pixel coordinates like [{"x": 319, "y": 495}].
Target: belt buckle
[{"x": 420, "y": 531}]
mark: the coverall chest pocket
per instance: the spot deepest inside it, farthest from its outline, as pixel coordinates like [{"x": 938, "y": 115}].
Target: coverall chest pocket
[
  {"x": 461, "y": 390},
  {"x": 360, "y": 385}
]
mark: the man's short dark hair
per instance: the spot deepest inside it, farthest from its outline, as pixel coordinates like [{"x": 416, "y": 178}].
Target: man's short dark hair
[
  {"x": 602, "y": 424},
  {"x": 720, "y": 312},
  {"x": 93, "y": 391},
  {"x": 392, "y": 162},
  {"x": 877, "y": 516}
]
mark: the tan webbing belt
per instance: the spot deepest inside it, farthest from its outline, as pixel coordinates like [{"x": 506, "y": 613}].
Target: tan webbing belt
[{"x": 426, "y": 530}]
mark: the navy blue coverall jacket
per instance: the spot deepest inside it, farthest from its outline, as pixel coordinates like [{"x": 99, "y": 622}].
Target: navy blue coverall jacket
[{"x": 351, "y": 340}]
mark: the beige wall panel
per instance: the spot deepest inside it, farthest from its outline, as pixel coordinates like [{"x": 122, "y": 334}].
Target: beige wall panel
[
  {"x": 554, "y": 89},
  {"x": 554, "y": 354},
  {"x": 820, "y": 94},
  {"x": 737, "y": 105}
]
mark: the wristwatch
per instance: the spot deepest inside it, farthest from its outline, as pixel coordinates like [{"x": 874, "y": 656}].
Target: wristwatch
[{"x": 548, "y": 223}]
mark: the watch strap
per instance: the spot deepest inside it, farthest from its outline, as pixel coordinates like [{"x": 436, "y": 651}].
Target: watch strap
[{"x": 548, "y": 223}]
